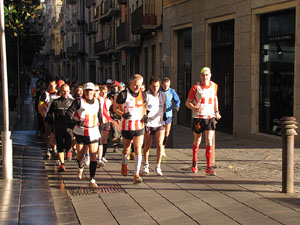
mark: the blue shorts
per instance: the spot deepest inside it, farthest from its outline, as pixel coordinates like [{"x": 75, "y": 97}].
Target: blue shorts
[{"x": 169, "y": 120}]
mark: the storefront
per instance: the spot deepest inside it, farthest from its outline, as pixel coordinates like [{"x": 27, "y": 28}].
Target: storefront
[
  {"x": 222, "y": 66},
  {"x": 184, "y": 72},
  {"x": 277, "y": 57}
]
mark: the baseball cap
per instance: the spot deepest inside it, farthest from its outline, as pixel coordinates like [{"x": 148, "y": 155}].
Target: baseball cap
[
  {"x": 109, "y": 81},
  {"x": 117, "y": 83},
  {"x": 60, "y": 83},
  {"x": 89, "y": 86}
]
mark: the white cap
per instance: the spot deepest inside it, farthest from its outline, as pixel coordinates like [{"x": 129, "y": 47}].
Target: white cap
[
  {"x": 89, "y": 86},
  {"x": 109, "y": 81}
]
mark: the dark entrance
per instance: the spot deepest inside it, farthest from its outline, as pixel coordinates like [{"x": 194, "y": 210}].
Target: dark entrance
[
  {"x": 222, "y": 66},
  {"x": 184, "y": 74},
  {"x": 277, "y": 55}
]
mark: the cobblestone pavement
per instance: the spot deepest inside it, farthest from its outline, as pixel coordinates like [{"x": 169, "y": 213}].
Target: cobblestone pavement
[{"x": 255, "y": 160}]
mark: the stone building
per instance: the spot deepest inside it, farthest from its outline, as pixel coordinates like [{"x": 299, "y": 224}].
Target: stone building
[
  {"x": 252, "y": 49},
  {"x": 250, "y": 45}
]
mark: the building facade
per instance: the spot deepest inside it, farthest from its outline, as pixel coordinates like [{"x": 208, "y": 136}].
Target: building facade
[{"x": 252, "y": 49}]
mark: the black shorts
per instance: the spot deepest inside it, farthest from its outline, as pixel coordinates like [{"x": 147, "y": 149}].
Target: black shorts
[
  {"x": 100, "y": 141},
  {"x": 105, "y": 126},
  {"x": 200, "y": 125},
  {"x": 129, "y": 134},
  {"x": 84, "y": 140},
  {"x": 152, "y": 130}
]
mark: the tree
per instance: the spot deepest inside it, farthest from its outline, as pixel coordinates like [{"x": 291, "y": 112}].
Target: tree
[
  {"x": 22, "y": 25},
  {"x": 18, "y": 13}
]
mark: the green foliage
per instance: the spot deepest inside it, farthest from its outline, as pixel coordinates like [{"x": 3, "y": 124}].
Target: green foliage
[
  {"x": 18, "y": 13},
  {"x": 23, "y": 21}
]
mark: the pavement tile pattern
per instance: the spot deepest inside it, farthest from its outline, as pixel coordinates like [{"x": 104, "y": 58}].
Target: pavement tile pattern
[{"x": 246, "y": 190}]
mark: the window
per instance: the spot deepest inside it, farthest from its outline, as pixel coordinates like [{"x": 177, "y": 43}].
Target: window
[{"x": 277, "y": 55}]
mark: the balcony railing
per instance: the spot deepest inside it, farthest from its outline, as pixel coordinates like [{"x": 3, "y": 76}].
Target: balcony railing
[
  {"x": 143, "y": 19},
  {"x": 123, "y": 40},
  {"x": 122, "y": 2},
  {"x": 102, "y": 47},
  {"x": 99, "y": 47},
  {"x": 62, "y": 54},
  {"x": 71, "y": 2},
  {"x": 108, "y": 10},
  {"x": 91, "y": 28},
  {"x": 89, "y": 3},
  {"x": 75, "y": 50}
]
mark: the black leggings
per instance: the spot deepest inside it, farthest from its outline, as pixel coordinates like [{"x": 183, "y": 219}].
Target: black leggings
[{"x": 63, "y": 136}]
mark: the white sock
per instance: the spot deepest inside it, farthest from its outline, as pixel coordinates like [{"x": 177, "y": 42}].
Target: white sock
[
  {"x": 137, "y": 163},
  {"x": 125, "y": 159},
  {"x": 158, "y": 165}
]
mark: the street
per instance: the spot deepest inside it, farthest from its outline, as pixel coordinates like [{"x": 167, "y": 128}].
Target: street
[{"x": 246, "y": 190}]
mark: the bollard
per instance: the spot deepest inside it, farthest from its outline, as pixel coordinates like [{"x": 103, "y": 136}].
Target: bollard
[{"x": 288, "y": 126}]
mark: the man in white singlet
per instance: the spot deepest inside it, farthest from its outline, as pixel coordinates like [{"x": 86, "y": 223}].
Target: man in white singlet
[
  {"x": 203, "y": 102},
  {"x": 130, "y": 105},
  {"x": 155, "y": 123}
]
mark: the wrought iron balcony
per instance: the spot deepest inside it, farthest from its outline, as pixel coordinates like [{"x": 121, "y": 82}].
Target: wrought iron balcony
[
  {"x": 71, "y": 2},
  {"x": 103, "y": 47},
  {"x": 109, "y": 9},
  {"x": 99, "y": 47},
  {"x": 143, "y": 19},
  {"x": 122, "y": 2},
  {"x": 75, "y": 50},
  {"x": 89, "y": 3},
  {"x": 91, "y": 28},
  {"x": 62, "y": 54},
  {"x": 123, "y": 40}
]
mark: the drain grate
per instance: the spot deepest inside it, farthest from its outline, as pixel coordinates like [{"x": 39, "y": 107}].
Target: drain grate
[{"x": 102, "y": 189}]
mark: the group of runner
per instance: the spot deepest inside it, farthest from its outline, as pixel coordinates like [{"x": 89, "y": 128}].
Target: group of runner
[{"x": 86, "y": 117}]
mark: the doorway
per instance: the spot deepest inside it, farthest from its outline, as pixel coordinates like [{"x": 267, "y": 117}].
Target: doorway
[
  {"x": 184, "y": 72},
  {"x": 277, "y": 55},
  {"x": 222, "y": 67}
]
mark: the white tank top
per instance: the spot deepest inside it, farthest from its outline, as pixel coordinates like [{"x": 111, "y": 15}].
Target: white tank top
[
  {"x": 136, "y": 108},
  {"x": 89, "y": 114},
  {"x": 155, "y": 105},
  {"x": 105, "y": 105},
  {"x": 205, "y": 98}
]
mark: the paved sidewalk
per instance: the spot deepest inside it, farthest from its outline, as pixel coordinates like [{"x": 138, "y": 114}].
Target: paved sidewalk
[
  {"x": 246, "y": 189},
  {"x": 239, "y": 194}
]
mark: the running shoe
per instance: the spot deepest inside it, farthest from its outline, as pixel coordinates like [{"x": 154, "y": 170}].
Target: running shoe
[
  {"x": 104, "y": 159},
  {"x": 163, "y": 152},
  {"x": 54, "y": 153},
  {"x": 194, "y": 167},
  {"x": 62, "y": 168},
  {"x": 100, "y": 163},
  {"x": 80, "y": 173},
  {"x": 93, "y": 183},
  {"x": 58, "y": 163},
  {"x": 124, "y": 169},
  {"x": 48, "y": 153},
  {"x": 158, "y": 171},
  {"x": 69, "y": 155},
  {"x": 137, "y": 179},
  {"x": 87, "y": 159},
  {"x": 146, "y": 169},
  {"x": 210, "y": 172}
]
